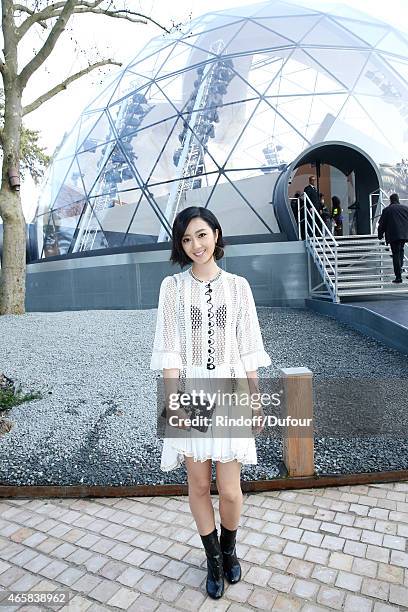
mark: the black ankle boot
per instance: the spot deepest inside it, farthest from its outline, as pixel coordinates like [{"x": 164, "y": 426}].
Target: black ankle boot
[
  {"x": 215, "y": 576},
  {"x": 232, "y": 568}
]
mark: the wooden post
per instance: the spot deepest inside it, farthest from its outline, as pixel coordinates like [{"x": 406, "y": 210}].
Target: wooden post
[{"x": 298, "y": 450}]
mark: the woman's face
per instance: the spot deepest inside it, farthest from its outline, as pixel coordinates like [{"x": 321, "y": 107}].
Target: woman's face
[{"x": 199, "y": 241}]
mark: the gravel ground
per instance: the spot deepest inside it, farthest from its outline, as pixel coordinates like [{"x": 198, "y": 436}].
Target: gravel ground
[{"x": 93, "y": 424}]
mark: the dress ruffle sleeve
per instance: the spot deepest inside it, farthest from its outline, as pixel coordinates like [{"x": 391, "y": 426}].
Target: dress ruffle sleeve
[
  {"x": 166, "y": 346},
  {"x": 249, "y": 336}
]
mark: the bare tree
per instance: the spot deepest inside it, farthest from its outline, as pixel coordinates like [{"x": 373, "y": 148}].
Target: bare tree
[{"x": 17, "y": 22}]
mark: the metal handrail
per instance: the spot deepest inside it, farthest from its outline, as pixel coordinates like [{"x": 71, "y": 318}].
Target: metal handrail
[
  {"x": 379, "y": 193},
  {"x": 317, "y": 233}
]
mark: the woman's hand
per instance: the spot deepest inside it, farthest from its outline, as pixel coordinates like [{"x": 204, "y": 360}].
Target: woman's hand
[
  {"x": 180, "y": 415},
  {"x": 257, "y": 421}
]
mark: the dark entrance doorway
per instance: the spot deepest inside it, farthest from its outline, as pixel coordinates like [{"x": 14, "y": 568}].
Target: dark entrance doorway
[{"x": 342, "y": 170}]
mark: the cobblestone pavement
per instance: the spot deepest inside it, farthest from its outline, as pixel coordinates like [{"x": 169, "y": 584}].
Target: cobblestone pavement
[{"x": 342, "y": 548}]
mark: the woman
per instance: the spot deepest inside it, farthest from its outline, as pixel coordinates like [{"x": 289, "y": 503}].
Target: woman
[
  {"x": 207, "y": 328},
  {"x": 337, "y": 216}
]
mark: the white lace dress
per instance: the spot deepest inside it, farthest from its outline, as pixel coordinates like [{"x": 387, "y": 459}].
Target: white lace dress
[{"x": 208, "y": 330}]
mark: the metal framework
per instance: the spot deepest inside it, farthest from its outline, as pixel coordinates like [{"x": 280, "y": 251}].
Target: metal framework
[{"x": 236, "y": 97}]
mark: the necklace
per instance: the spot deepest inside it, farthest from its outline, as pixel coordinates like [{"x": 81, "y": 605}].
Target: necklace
[{"x": 207, "y": 281}]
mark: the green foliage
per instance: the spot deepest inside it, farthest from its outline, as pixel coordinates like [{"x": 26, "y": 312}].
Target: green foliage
[
  {"x": 8, "y": 398},
  {"x": 33, "y": 158}
]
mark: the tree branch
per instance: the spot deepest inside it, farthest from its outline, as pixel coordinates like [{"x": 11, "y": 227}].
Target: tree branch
[
  {"x": 24, "y": 9},
  {"x": 82, "y": 6},
  {"x": 62, "y": 86},
  {"x": 122, "y": 14},
  {"x": 49, "y": 44}
]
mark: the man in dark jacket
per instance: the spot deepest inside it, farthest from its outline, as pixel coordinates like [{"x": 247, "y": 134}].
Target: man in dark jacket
[
  {"x": 314, "y": 197},
  {"x": 394, "y": 224}
]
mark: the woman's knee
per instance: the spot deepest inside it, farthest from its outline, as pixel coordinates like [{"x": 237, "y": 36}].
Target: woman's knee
[
  {"x": 232, "y": 495},
  {"x": 199, "y": 488}
]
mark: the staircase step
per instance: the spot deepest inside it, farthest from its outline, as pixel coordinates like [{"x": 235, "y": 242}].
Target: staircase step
[
  {"x": 344, "y": 261},
  {"x": 397, "y": 289},
  {"x": 344, "y": 269},
  {"x": 380, "y": 248},
  {"x": 345, "y": 277},
  {"x": 364, "y": 283}
]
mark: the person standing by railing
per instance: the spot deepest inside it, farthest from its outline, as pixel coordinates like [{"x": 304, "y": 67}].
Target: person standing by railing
[
  {"x": 394, "y": 224},
  {"x": 313, "y": 195},
  {"x": 337, "y": 216}
]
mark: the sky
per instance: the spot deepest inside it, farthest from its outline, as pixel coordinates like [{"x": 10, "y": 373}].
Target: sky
[{"x": 90, "y": 38}]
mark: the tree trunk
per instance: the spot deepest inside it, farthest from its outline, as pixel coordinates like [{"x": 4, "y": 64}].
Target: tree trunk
[{"x": 13, "y": 265}]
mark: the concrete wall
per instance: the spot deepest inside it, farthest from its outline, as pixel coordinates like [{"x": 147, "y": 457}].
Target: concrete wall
[{"x": 277, "y": 272}]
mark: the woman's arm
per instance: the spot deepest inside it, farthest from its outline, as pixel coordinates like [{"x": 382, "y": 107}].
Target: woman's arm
[{"x": 171, "y": 386}]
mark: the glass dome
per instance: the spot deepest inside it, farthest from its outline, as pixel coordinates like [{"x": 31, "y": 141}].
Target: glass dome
[{"x": 211, "y": 117}]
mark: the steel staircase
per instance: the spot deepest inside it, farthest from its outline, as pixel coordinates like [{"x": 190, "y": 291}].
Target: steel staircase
[
  {"x": 364, "y": 266},
  {"x": 349, "y": 266}
]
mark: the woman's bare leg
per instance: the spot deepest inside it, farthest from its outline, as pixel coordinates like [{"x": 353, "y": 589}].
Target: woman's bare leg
[
  {"x": 199, "y": 483},
  {"x": 229, "y": 490}
]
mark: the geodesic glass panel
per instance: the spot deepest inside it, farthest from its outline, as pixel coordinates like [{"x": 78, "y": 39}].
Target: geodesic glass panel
[{"x": 212, "y": 114}]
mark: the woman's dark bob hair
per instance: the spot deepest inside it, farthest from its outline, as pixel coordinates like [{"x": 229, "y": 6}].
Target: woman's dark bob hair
[{"x": 178, "y": 255}]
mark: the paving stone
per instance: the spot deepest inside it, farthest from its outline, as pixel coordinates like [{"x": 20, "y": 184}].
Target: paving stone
[
  {"x": 95, "y": 563},
  {"x": 377, "y": 553},
  {"x": 371, "y": 537},
  {"x": 305, "y": 589},
  {"x": 79, "y": 604},
  {"x": 309, "y": 524},
  {"x": 317, "y": 555},
  {"x": 63, "y": 551},
  {"x": 309, "y": 537},
  {"x": 37, "y": 563},
  {"x": 346, "y": 580},
  {"x": 355, "y": 602},
  {"x": 330, "y": 528},
  {"x": 262, "y": 599},
  {"x": 25, "y": 583},
  {"x": 190, "y": 600},
  {"x": 399, "y": 558},
  {"x": 300, "y": 568},
  {"x": 357, "y": 549},
  {"x": 79, "y": 556},
  {"x": 174, "y": 569},
  {"x": 219, "y": 605},
  {"x": 277, "y": 561},
  {"x": 375, "y": 588},
  {"x": 293, "y": 549},
  {"x": 324, "y": 574},
  {"x": 112, "y": 569},
  {"x": 340, "y": 561},
  {"x": 193, "y": 577},
  {"x": 143, "y": 604},
  {"x": 332, "y": 542},
  {"x": 148, "y": 584},
  {"x": 104, "y": 591},
  {"x": 390, "y": 573},
  {"x": 169, "y": 590},
  {"x": 54, "y": 569},
  {"x": 395, "y": 542},
  {"x": 86, "y": 584},
  {"x": 285, "y": 603},
  {"x": 256, "y": 555},
  {"x": 381, "y": 607},
  {"x": 70, "y": 575},
  {"x": 332, "y": 598},
  {"x": 238, "y": 592},
  {"x": 398, "y": 595},
  {"x": 130, "y": 576},
  {"x": 365, "y": 567}
]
